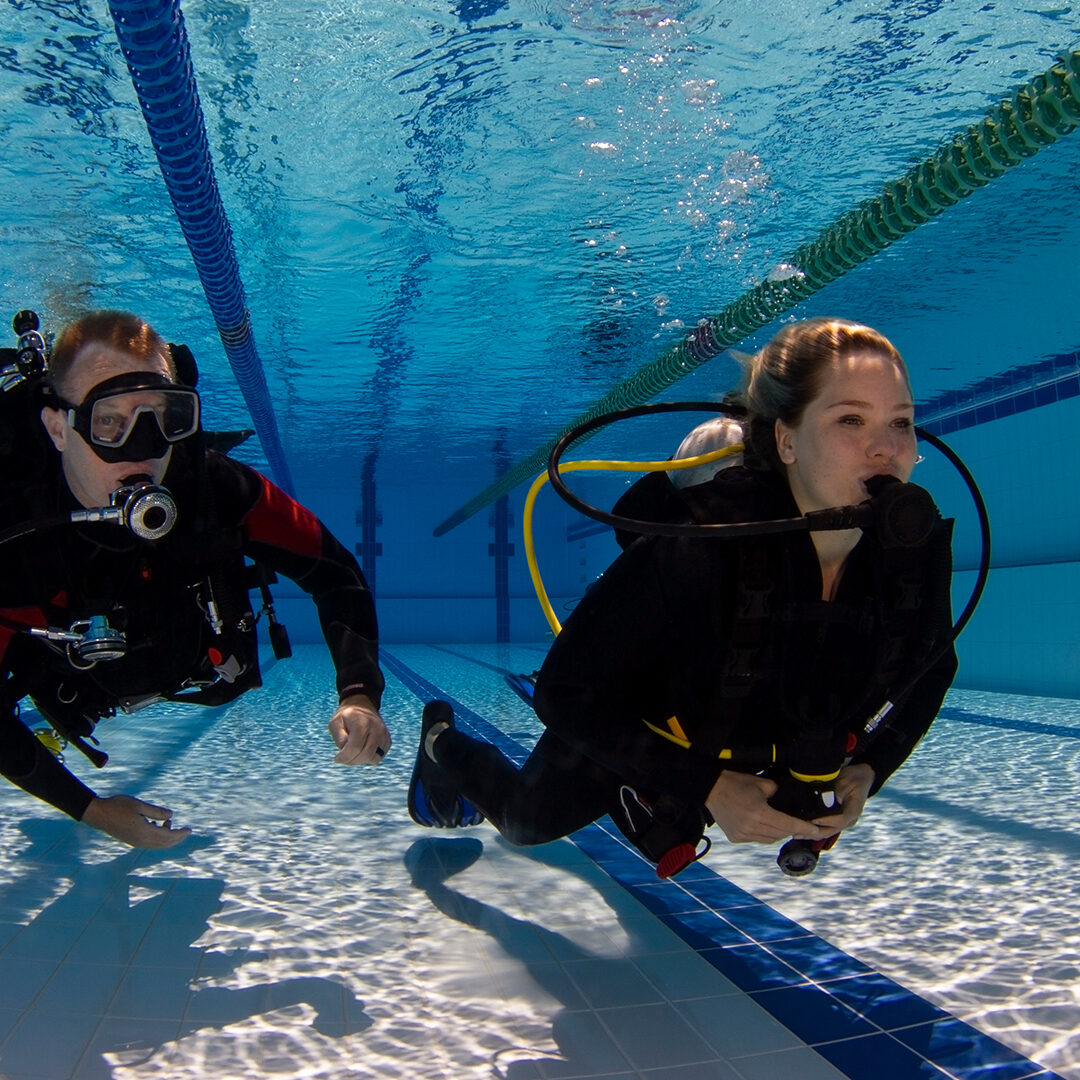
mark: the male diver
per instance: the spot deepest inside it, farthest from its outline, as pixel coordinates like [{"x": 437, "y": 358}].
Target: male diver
[{"x": 126, "y": 580}]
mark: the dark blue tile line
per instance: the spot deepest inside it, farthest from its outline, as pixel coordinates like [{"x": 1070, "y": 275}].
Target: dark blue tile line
[
  {"x": 581, "y": 530},
  {"x": 866, "y": 1025},
  {"x": 1022, "y": 388},
  {"x": 1062, "y": 731},
  {"x": 501, "y": 550},
  {"x": 470, "y": 722}
]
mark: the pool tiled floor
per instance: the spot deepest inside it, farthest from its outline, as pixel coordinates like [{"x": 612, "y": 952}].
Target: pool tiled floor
[{"x": 309, "y": 929}]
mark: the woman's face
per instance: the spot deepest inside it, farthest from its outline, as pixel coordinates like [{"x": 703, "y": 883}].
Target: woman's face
[{"x": 860, "y": 425}]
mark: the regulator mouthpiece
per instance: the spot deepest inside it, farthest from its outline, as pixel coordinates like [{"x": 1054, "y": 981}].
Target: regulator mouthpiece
[
  {"x": 147, "y": 509},
  {"x": 904, "y": 514}
]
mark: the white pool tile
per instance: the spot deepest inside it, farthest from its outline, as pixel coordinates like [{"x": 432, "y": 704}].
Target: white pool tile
[
  {"x": 737, "y": 1025},
  {"x": 326, "y": 932},
  {"x": 683, "y": 975}
]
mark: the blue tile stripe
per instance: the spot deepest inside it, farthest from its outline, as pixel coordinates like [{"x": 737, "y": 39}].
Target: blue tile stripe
[
  {"x": 1062, "y": 731},
  {"x": 1022, "y": 388},
  {"x": 580, "y": 530},
  {"x": 863, "y": 1023}
]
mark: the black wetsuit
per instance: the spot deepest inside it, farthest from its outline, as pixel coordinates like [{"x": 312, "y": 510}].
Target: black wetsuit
[
  {"x": 160, "y": 593},
  {"x": 658, "y": 636}
]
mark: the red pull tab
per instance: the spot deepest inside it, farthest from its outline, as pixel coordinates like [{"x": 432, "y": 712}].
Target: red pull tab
[{"x": 676, "y": 859}]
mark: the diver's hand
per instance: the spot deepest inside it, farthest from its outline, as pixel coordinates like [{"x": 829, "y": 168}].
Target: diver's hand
[
  {"x": 359, "y": 732},
  {"x": 852, "y": 789},
  {"x": 132, "y": 821},
  {"x": 739, "y": 804}
]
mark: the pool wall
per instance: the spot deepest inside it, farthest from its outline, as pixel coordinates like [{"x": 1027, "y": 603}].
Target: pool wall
[{"x": 473, "y": 585}]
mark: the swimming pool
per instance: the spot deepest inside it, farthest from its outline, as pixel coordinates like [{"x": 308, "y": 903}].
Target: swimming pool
[
  {"x": 321, "y": 933},
  {"x": 457, "y": 228}
]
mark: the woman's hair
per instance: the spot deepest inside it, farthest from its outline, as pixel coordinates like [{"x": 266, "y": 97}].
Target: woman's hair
[
  {"x": 786, "y": 375},
  {"x": 118, "y": 330}
]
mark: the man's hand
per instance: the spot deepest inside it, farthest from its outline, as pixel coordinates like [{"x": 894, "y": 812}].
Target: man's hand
[
  {"x": 132, "y": 821},
  {"x": 739, "y": 804},
  {"x": 852, "y": 789},
  {"x": 359, "y": 732}
]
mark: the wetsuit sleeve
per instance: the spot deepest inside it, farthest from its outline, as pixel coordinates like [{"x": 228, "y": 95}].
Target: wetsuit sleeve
[
  {"x": 23, "y": 759},
  {"x": 607, "y": 671},
  {"x": 911, "y": 718},
  {"x": 290, "y": 540},
  {"x": 27, "y": 764}
]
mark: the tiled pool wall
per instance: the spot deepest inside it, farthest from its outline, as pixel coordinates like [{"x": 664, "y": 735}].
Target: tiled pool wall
[{"x": 1016, "y": 433}]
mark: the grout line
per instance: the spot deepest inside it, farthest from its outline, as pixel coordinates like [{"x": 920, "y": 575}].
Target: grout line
[{"x": 426, "y": 691}]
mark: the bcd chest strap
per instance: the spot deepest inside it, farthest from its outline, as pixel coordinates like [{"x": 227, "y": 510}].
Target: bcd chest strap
[
  {"x": 894, "y": 619},
  {"x": 740, "y": 666}
]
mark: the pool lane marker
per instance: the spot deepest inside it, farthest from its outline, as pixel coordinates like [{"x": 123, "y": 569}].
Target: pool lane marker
[{"x": 838, "y": 1006}]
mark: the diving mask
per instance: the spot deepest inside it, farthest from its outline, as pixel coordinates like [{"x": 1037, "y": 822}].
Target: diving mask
[{"x": 135, "y": 416}]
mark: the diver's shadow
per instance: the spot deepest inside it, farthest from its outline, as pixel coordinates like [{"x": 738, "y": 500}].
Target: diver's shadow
[
  {"x": 430, "y": 862},
  {"x": 152, "y": 923}
]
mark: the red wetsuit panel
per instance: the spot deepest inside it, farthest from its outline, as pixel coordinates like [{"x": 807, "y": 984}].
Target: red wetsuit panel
[
  {"x": 276, "y": 519},
  {"x": 27, "y": 616}
]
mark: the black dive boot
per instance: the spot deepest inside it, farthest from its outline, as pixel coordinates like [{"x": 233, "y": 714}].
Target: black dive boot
[{"x": 434, "y": 801}]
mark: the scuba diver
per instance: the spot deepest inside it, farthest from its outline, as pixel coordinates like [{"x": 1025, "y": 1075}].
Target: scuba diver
[
  {"x": 124, "y": 578},
  {"x": 739, "y": 681},
  {"x": 656, "y": 497}
]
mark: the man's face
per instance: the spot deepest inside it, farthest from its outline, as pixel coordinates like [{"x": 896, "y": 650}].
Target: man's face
[{"x": 90, "y": 479}]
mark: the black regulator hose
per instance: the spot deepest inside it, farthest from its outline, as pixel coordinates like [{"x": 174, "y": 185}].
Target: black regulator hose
[
  {"x": 904, "y": 514},
  {"x": 147, "y": 510}
]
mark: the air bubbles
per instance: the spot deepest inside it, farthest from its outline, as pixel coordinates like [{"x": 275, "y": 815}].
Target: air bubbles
[
  {"x": 784, "y": 271},
  {"x": 732, "y": 191},
  {"x": 701, "y": 92},
  {"x": 746, "y": 169}
]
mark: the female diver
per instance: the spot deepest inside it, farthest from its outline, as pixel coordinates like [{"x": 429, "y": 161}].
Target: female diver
[{"x": 729, "y": 680}]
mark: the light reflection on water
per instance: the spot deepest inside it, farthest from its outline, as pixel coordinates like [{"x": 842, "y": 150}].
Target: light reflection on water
[
  {"x": 961, "y": 880},
  {"x": 312, "y": 931}
]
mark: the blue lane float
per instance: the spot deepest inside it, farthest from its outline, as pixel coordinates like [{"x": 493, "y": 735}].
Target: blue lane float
[{"x": 155, "y": 45}]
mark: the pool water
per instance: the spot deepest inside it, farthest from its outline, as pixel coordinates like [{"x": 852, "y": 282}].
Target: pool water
[
  {"x": 310, "y": 929},
  {"x": 458, "y": 225}
]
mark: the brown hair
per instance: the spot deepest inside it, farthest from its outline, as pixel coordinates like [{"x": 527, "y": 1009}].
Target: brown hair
[
  {"x": 118, "y": 330},
  {"x": 785, "y": 376}
]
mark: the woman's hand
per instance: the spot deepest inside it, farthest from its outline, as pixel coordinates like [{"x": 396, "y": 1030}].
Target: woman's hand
[
  {"x": 852, "y": 790},
  {"x": 140, "y": 824},
  {"x": 739, "y": 804}
]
